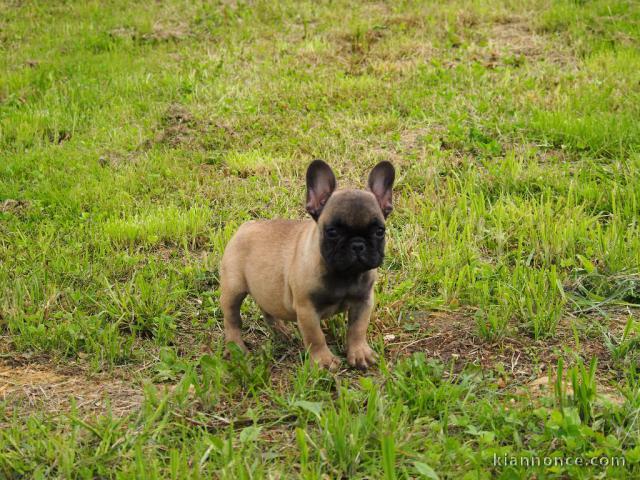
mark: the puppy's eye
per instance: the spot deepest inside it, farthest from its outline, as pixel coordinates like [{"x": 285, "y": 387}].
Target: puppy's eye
[
  {"x": 331, "y": 233},
  {"x": 379, "y": 232}
]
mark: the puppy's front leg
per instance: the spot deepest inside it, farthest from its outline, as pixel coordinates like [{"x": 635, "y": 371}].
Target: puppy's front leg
[
  {"x": 313, "y": 338},
  {"x": 359, "y": 353}
]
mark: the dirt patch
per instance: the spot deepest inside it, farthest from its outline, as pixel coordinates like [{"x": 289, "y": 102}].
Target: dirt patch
[
  {"x": 508, "y": 42},
  {"x": 354, "y": 49},
  {"x": 115, "y": 159},
  {"x": 168, "y": 32},
  {"x": 544, "y": 386},
  {"x": 14, "y": 206},
  {"x": 453, "y": 337},
  {"x": 512, "y": 38},
  {"x": 412, "y": 138},
  {"x": 198, "y": 254},
  {"x": 517, "y": 38},
  {"x": 406, "y": 21},
  {"x": 359, "y": 43},
  {"x": 411, "y": 144},
  {"x": 57, "y": 136},
  {"x": 30, "y": 387},
  {"x": 449, "y": 336},
  {"x": 160, "y": 32},
  {"x": 179, "y": 127},
  {"x": 123, "y": 32}
]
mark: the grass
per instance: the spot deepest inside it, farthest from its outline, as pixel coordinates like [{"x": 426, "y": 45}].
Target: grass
[{"x": 135, "y": 139}]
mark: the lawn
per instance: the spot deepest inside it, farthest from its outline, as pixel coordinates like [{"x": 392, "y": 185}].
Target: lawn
[{"x": 135, "y": 137}]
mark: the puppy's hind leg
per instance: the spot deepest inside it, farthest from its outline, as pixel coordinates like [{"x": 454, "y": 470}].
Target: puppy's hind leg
[{"x": 231, "y": 297}]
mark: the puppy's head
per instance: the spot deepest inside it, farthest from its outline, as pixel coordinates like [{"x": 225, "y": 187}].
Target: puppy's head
[{"x": 351, "y": 223}]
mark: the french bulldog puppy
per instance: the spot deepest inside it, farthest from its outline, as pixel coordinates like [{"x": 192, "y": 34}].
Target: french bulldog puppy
[{"x": 308, "y": 270}]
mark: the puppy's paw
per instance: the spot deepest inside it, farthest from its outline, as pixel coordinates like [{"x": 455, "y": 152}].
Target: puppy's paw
[
  {"x": 325, "y": 359},
  {"x": 361, "y": 356}
]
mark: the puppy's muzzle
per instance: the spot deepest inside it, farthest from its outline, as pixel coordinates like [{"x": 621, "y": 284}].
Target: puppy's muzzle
[{"x": 358, "y": 246}]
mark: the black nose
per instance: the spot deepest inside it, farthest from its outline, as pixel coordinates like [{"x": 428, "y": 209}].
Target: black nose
[{"x": 357, "y": 246}]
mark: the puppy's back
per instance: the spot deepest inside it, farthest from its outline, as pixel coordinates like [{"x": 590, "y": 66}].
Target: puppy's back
[
  {"x": 263, "y": 238},
  {"x": 257, "y": 259}
]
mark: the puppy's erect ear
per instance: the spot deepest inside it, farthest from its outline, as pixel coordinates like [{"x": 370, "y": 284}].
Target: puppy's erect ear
[
  {"x": 321, "y": 182},
  {"x": 381, "y": 183}
]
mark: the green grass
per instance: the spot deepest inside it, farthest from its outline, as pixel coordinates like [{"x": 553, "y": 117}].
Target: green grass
[{"x": 136, "y": 137}]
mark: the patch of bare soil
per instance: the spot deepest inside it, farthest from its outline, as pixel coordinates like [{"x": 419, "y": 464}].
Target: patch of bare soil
[
  {"x": 161, "y": 32},
  {"x": 57, "y": 136},
  {"x": 115, "y": 159},
  {"x": 354, "y": 49},
  {"x": 13, "y": 206},
  {"x": 511, "y": 41},
  {"x": 165, "y": 32},
  {"x": 514, "y": 37},
  {"x": 360, "y": 43},
  {"x": 180, "y": 128},
  {"x": 453, "y": 337},
  {"x": 517, "y": 38},
  {"x": 29, "y": 387},
  {"x": 402, "y": 152}
]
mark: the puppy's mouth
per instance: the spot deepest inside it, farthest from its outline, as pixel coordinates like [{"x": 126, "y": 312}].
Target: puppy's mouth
[
  {"x": 369, "y": 264},
  {"x": 363, "y": 258},
  {"x": 362, "y": 262}
]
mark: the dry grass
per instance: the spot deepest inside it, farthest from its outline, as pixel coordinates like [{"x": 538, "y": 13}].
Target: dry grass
[{"x": 37, "y": 387}]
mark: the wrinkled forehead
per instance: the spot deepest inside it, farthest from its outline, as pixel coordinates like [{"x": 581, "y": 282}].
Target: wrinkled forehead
[{"x": 356, "y": 208}]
